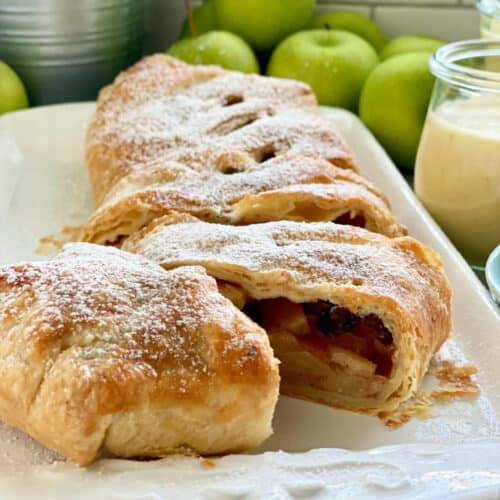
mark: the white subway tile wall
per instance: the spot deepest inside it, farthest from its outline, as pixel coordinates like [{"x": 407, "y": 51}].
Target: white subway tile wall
[
  {"x": 455, "y": 23},
  {"x": 447, "y": 19},
  {"x": 328, "y": 7}
]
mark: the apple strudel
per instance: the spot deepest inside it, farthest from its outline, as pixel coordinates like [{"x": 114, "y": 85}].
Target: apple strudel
[
  {"x": 100, "y": 348},
  {"x": 353, "y": 316},
  {"x": 162, "y": 108},
  {"x": 285, "y": 187}
]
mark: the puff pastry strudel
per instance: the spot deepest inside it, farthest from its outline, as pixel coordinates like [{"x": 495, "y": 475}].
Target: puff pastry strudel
[
  {"x": 286, "y": 187},
  {"x": 353, "y": 316},
  {"x": 162, "y": 108},
  {"x": 100, "y": 348}
]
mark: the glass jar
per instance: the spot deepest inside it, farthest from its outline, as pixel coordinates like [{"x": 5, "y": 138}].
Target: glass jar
[
  {"x": 457, "y": 171},
  {"x": 490, "y": 18}
]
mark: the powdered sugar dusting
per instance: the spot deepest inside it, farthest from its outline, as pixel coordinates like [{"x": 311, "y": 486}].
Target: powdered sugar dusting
[
  {"x": 306, "y": 256},
  {"x": 105, "y": 305},
  {"x": 97, "y": 333},
  {"x": 18, "y": 448},
  {"x": 215, "y": 196},
  {"x": 161, "y": 108}
]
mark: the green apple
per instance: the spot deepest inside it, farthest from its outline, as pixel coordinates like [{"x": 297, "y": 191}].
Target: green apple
[
  {"x": 410, "y": 43},
  {"x": 217, "y": 47},
  {"x": 334, "y": 63},
  {"x": 12, "y": 92},
  {"x": 394, "y": 103},
  {"x": 264, "y": 23},
  {"x": 204, "y": 20},
  {"x": 354, "y": 22}
]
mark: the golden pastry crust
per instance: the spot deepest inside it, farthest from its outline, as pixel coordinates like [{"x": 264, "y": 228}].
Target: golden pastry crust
[
  {"x": 284, "y": 187},
  {"x": 399, "y": 280},
  {"x": 100, "y": 348},
  {"x": 161, "y": 108}
]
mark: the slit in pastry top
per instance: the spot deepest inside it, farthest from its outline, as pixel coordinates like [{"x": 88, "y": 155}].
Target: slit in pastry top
[{"x": 163, "y": 108}]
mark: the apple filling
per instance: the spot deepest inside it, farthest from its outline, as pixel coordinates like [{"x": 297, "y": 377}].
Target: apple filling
[
  {"x": 307, "y": 210},
  {"x": 360, "y": 344},
  {"x": 347, "y": 219},
  {"x": 234, "y": 293}
]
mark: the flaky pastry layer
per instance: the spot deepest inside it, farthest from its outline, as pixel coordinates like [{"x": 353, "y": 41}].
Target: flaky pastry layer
[
  {"x": 399, "y": 281},
  {"x": 164, "y": 109},
  {"x": 101, "y": 349},
  {"x": 283, "y": 187}
]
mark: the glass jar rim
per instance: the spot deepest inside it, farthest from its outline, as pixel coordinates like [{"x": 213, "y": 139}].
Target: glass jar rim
[
  {"x": 489, "y": 7},
  {"x": 443, "y": 65}
]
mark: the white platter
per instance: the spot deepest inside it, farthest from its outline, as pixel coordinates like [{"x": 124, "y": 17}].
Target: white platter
[{"x": 43, "y": 187}]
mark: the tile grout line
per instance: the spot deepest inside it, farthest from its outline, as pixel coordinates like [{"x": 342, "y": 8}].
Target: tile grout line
[{"x": 400, "y": 4}]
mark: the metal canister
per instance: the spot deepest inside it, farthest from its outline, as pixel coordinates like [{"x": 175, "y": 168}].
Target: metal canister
[{"x": 66, "y": 50}]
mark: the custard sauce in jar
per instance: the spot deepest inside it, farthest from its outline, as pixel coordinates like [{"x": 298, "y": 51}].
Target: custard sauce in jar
[
  {"x": 489, "y": 11},
  {"x": 457, "y": 172}
]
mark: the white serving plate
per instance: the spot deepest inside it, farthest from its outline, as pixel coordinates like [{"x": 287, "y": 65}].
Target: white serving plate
[{"x": 43, "y": 187}]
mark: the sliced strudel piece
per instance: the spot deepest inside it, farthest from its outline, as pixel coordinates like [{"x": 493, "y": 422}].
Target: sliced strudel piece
[
  {"x": 354, "y": 317},
  {"x": 101, "y": 349},
  {"x": 162, "y": 107},
  {"x": 285, "y": 187}
]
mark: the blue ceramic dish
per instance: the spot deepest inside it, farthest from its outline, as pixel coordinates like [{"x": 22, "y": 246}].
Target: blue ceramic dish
[{"x": 493, "y": 273}]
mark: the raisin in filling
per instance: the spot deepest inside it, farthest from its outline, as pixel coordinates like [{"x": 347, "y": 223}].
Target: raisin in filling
[
  {"x": 335, "y": 320},
  {"x": 357, "y": 220},
  {"x": 366, "y": 336}
]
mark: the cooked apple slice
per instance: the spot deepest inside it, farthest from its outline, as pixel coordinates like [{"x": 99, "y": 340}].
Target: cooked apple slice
[
  {"x": 284, "y": 315},
  {"x": 352, "y": 361},
  {"x": 234, "y": 293}
]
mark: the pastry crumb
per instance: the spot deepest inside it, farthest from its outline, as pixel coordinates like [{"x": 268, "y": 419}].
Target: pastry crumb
[
  {"x": 208, "y": 464},
  {"x": 454, "y": 382},
  {"x": 52, "y": 243},
  {"x": 420, "y": 406}
]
